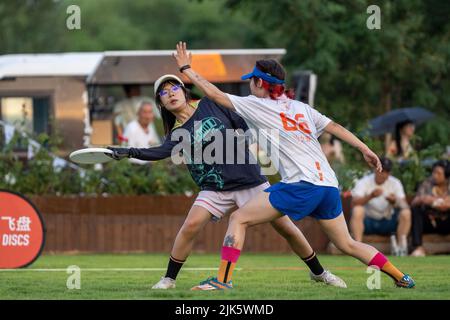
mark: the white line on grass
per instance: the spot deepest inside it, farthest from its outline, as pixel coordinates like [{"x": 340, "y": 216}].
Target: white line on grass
[{"x": 109, "y": 269}]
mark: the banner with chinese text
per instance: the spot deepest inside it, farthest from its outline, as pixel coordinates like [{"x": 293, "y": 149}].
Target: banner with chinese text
[{"x": 22, "y": 231}]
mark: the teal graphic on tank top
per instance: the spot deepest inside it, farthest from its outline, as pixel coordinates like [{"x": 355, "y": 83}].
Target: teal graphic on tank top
[{"x": 205, "y": 172}]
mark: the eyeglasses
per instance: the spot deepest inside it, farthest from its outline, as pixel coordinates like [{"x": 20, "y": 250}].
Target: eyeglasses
[{"x": 164, "y": 92}]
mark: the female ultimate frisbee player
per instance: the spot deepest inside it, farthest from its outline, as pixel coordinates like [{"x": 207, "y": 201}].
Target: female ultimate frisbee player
[
  {"x": 309, "y": 185},
  {"x": 223, "y": 186}
]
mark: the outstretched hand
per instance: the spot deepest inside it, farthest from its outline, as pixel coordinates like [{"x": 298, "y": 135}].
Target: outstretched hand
[
  {"x": 182, "y": 56},
  {"x": 372, "y": 159},
  {"x": 118, "y": 153}
]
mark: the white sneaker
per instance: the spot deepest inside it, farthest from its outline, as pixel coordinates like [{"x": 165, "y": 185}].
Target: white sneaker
[
  {"x": 328, "y": 278},
  {"x": 403, "y": 251},
  {"x": 395, "y": 250},
  {"x": 403, "y": 246},
  {"x": 165, "y": 283}
]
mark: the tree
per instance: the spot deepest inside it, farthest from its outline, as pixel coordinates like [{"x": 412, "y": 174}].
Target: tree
[
  {"x": 362, "y": 73},
  {"x": 29, "y": 26},
  {"x": 32, "y": 26}
]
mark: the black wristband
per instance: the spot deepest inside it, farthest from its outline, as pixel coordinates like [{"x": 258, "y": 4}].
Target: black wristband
[{"x": 187, "y": 66}]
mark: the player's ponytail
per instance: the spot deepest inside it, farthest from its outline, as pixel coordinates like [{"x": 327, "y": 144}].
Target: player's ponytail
[
  {"x": 290, "y": 93},
  {"x": 275, "y": 90}
]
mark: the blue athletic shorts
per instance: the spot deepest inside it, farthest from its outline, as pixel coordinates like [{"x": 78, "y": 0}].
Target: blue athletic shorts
[{"x": 300, "y": 199}]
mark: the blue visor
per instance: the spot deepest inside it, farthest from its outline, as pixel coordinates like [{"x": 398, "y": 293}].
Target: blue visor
[{"x": 265, "y": 76}]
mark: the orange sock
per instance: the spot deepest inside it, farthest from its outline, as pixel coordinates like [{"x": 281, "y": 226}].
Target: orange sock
[
  {"x": 226, "y": 271},
  {"x": 384, "y": 265},
  {"x": 392, "y": 271},
  {"x": 230, "y": 256}
]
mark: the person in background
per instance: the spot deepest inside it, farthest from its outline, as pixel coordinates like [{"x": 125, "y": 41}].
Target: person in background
[
  {"x": 431, "y": 206},
  {"x": 401, "y": 148},
  {"x": 380, "y": 207},
  {"x": 332, "y": 148},
  {"x": 125, "y": 110},
  {"x": 141, "y": 133}
]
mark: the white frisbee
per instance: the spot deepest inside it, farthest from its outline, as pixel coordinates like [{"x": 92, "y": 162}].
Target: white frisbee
[{"x": 91, "y": 155}]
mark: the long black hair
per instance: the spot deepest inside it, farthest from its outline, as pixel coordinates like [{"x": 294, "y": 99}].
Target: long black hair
[
  {"x": 444, "y": 164},
  {"x": 168, "y": 118},
  {"x": 398, "y": 136}
]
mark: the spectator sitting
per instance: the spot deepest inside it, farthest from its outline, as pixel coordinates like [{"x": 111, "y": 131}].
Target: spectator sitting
[
  {"x": 380, "y": 207},
  {"x": 141, "y": 133},
  {"x": 401, "y": 148},
  {"x": 431, "y": 206},
  {"x": 125, "y": 110}
]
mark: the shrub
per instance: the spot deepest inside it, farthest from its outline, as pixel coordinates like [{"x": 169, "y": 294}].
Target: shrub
[{"x": 38, "y": 175}]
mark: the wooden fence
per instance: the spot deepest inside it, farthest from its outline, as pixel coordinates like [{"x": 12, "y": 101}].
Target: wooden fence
[{"x": 146, "y": 224}]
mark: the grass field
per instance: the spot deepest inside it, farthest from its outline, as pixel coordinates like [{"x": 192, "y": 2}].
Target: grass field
[{"x": 260, "y": 276}]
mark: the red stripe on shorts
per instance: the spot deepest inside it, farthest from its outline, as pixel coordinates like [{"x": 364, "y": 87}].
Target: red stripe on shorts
[{"x": 209, "y": 204}]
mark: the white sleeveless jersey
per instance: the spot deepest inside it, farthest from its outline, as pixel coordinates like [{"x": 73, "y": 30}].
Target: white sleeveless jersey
[{"x": 291, "y": 129}]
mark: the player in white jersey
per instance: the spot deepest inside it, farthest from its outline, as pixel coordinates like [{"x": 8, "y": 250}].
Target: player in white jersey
[{"x": 308, "y": 186}]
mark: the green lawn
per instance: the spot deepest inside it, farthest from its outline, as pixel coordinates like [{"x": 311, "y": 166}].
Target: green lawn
[{"x": 261, "y": 276}]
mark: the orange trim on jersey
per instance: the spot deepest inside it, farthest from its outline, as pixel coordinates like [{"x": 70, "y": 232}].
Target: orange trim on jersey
[
  {"x": 320, "y": 171},
  {"x": 318, "y": 165}
]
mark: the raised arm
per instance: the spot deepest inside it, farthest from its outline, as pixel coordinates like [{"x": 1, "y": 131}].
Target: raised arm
[
  {"x": 345, "y": 135},
  {"x": 184, "y": 59}
]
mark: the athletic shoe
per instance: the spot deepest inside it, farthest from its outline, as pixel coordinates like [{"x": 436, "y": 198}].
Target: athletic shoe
[
  {"x": 405, "y": 282},
  {"x": 328, "y": 278},
  {"x": 395, "y": 250},
  {"x": 403, "y": 246},
  {"x": 165, "y": 283},
  {"x": 402, "y": 251},
  {"x": 213, "y": 284}
]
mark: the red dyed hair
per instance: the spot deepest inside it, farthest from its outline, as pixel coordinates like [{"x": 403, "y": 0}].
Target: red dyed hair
[
  {"x": 277, "y": 90},
  {"x": 275, "y": 69}
]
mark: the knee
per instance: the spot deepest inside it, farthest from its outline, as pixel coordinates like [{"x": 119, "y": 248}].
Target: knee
[
  {"x": 238, "y": 218},
  {"x": 191, "y": 228},
  {"x": 348, "y": 245},
  {"x": 405, "y": 214}
]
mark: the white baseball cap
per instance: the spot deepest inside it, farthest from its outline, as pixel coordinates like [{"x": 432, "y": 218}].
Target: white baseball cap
[{"x": 165, "y": 78}]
